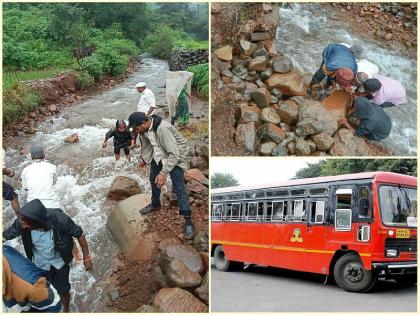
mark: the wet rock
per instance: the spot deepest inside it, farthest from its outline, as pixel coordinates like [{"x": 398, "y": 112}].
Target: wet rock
[
  {"x": 250, "y": 114},
  {"x": 323, "y": 141},
  {"x": 270, "y": 46},
  {"x": 266, "y": 148},
  {"x": 201, "y": 241},
  {"x": 203, "y": 290},
  {"x": 125, "y": 222},
  {"x": 184, "y": 253},
  {"x": 346, "y": 144},
  {"x": 269, "y": 115},
  {"x": 302, "y": 147},
  {"x": 245, "y": 135},
  {"x": 279, "y": 150},
  {"x": 270, "y": 131},
  {"x": 53, "y": 109},
  {"x": 308, "y": 126},
  {"x": 259, "y": 36},
  {"x": 224, "y": 53},
  {"x": 177, "y": 274},
  {"x": 261, "y": 97},
  {"x": 74, "y": 138},
  {"x": 176, "y": 300},
  {"x": 264, "y": 75},
  {"x": 259, "y": 84},
  {"x": 260, "y": 52},
  {"x": 247, "y": 47},
  {"x": 258, "y": 63},
  {"x": 325, "y": 120},
  {"x": 338, "y": 103},
  {"x": 197, "y": 175},
  {"x": 123, "y": 187},
  {"x": 289, "y": 112},
  {"x": 30, "y": 129},
  {"x": 290, "y": 83},
  {"x": 282, "y": 64},
  {"x": 240, "y": 71}
]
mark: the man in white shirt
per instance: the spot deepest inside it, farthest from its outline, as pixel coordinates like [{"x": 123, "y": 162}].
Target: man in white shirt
[
  {"x": 147, "y": 101},
  {"x": 39, "y": 179}
]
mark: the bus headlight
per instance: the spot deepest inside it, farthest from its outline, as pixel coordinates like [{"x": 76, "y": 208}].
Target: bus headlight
[{"x": 391, "y": 253}]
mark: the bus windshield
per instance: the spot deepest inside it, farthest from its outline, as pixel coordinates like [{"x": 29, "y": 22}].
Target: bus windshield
[{"x": 398, "y": 205}]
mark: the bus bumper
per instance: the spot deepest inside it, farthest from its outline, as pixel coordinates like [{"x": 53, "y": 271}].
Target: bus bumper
[{"x": 395, "y": 268}]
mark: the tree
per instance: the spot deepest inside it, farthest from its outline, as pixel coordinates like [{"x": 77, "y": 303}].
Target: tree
[
  {"x": 348, "y": 166},
  {"x": 219, "y": 180}
]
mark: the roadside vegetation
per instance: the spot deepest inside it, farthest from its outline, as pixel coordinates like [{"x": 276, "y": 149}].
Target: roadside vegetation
[{"x": 200, "y": 79}]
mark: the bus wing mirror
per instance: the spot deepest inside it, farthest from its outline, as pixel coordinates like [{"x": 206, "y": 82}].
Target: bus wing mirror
[{"x": 364, "y": 207}]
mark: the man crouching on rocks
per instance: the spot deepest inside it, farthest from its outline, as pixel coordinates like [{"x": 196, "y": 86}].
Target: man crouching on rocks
[
  {"x": 166, "y": 150},
  {"x": 47, "y": 237}
]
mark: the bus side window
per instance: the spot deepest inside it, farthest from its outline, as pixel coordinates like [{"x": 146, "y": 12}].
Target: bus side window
[
  {"x": 260, "y": 215},
  {"x": 228, "y": 212},
  {"x": 236, "y": 212},
  {"x": 251, "y": 214},
  {"x": 269, "y": 211},
  {"x": 278, "y": 211},
  {"x": 317, "y": 211},
  {"x": 298, "y": 210},
  {"x": 217, "y": 210},
  {"x": 365, "y": 209},
  {"x": 343, "y": 212}
]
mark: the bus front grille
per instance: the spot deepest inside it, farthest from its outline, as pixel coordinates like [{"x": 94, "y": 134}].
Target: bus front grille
[{"x": 402, "y": 244}]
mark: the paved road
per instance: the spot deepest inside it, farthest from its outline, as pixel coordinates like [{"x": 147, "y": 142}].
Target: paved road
[{"x": 261, "y": 289}]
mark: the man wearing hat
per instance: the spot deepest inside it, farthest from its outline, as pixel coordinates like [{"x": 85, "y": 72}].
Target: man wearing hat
[
  {"x": 338, "y": 65},
  {"x": 147, "y": 102},
  {"x": 39, "y": 178},
  {"x": 384, "y": 91},
  {"x": 47, "y": 237},
  {"x": 166, "y": 150}
]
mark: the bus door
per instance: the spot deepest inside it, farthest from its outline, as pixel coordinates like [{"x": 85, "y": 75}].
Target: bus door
[{"x": 316, "y": 235}]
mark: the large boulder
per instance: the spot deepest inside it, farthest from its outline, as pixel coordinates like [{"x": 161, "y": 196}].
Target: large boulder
[
  {"x": 281, "y": 64},
  {"x": 123, "y": 187},
  {"x": 177, "y": 274},
  {"x": 266, "y": 148},
  {"x": 338, "y": 103},
  {"x": 197, "y": 175},
  {"x": 203, "y": 291},
  {"x": 245, "y": 135},
  {"x": 289, "y": 112},
  {"x": 323, "y": 141},
  {"x": 250, "y": 114},
  {"x": 270, "y": 131},
  {"x": 308, "y": 126},
  {"x": 224, "y": 53},
  {"x": 291, "y": 83},
  {"x": 73, "y": 138},
  {"x": 201, "y": 241},
  {"x": 303, "y": 147},
  {"x": 176, "y": 300},
  {"x": 126, "y": 224},
  {"x": 347, "y": 144},
  {"x": 184, "y": 253},
  {"x": 269, "y": 114},
  {"x": 313, "y": 110}
]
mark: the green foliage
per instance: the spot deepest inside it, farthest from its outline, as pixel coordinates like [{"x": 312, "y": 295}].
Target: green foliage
[
  {"x": 18, "y": 100},
  {"x": 10, "y": 77},
  {"x": 93, "y": 66},
  {"x": 190, "y": 44},
  {"x": 112, "y": 62},
  {"x": 348, "y": 166},
  {"x": 84, "y": 80},
  {"x": 161, "y": 42},
  {"x": 219, "y": 180},
  {"x": 200, "y": 79}
]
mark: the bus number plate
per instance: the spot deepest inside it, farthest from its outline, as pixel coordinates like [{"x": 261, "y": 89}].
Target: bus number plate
[{"x": 403, "y": 233}]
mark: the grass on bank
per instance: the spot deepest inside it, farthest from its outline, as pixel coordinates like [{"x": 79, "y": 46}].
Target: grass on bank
[{"x": 200, "y": 79}]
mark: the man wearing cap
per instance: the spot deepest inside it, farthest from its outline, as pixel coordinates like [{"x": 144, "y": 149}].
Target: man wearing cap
[
  {"x": 166, "y": 150},
  {"x": 384, "y": 91},
  {"x": 147, "y": 102},
  {"x": 338, "y": 65},
  {"x": 47, "y": 237},
  {"x": 39, "y": 178},
  {"x": 8, "y": 190}
]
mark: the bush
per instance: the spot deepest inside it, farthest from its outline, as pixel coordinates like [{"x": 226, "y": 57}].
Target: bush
[
  {"x": 161, "y": 42},
  {"x": 19, "y": 100},
  {"x": 112, "y": 62},
  {"x": 84, "y": 80},
  {"x": 93, "y": 66},
  {"x": 201, "y": 78}
]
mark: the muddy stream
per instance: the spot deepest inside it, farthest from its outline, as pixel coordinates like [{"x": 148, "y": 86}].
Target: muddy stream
[
  {"x": 306, "y": 29},
  {"x": 86, "y": 171}
]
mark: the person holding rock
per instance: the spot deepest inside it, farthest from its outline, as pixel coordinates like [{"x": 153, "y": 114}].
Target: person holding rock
[
  {"x": 47, "y": 237},
  {"x": 26, "y": 285},
  {"x": 371, "y": 120},
  {"x": 338, "y": 66},
  {"x": 384, "y": 91},
  {"x": 123, "y": 139},
  {"x": 9, "y": 193},
  {"x": 166, "y": 150}
]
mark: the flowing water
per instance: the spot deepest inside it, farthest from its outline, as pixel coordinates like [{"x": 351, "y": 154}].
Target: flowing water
[
  {"x": 86, "y": 171},
  {"x": 306, "y": 29}
]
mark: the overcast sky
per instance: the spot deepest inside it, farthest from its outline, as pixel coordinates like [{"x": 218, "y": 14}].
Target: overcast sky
[{"x": 253, "y": 170}]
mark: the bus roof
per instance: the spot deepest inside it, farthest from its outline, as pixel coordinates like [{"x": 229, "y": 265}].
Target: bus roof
[{"x": 378, "y": 176}]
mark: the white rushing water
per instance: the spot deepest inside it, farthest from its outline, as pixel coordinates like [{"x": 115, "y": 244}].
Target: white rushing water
[
  {"x": 305, "y": 30},
  {"x": 86, "y": 171}
]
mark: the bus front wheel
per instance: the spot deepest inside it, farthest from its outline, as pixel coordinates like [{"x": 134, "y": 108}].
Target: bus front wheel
[
  {"x": 350, "y": 274},
  {"x": 222, "y": 263}
]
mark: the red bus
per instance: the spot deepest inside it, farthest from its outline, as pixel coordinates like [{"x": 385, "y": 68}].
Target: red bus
[{"x": 356, "y": 227}]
